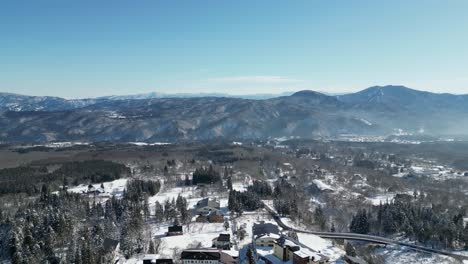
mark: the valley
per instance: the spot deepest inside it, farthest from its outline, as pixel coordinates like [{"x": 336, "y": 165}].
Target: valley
[{"x": 311, "y": 185}]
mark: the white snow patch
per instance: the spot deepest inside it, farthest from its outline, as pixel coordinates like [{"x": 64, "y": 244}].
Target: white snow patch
[
  {"x": 322, "y": 186},
  {"x": 321, "y": 245}
]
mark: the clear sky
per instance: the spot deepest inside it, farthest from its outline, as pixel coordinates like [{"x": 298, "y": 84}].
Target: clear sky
[{"x": 83, "y": 48}]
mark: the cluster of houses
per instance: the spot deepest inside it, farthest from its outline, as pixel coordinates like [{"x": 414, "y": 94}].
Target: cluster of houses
[
  {"x": 269, "y": 245},
  {"x": 274, "y": 247}
]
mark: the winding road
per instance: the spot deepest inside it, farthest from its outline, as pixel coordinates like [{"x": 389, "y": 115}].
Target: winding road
[{"x": 365, "y": 238}]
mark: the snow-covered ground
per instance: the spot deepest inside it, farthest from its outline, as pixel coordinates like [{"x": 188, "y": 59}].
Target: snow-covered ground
[
  {"x": 115, "y": 188},
  {"x": 321, "y": 245},
  {"x": 381, "y": 198},
  {"x": 248, "y": 219},
  {"x": 322, "y": 186},
  {"x": 238, "y": 186},
  {"x": 190, "y": 193},
  {"x": 194, "y": 234},
  {"x": 397, "y": 255},
  {"x": 148, "y": 144}
]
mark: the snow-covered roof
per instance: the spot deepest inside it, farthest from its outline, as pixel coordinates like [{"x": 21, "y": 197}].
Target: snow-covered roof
[
  {"x": 305, "y": 252},
  {"x": 273, "y": 236}
]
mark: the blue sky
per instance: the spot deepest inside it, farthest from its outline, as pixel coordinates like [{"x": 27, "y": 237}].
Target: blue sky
[{"x": 91, "y": 48}]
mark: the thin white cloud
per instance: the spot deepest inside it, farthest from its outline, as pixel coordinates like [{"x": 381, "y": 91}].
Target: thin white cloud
[{"x": 255, "y": 79}]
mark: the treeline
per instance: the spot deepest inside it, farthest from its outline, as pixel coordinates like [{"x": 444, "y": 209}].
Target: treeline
[
  {"x": 262, "y": 188},
  {"x": 285, "y": 199},
  {"x": 94, "y": 171},
  {"x": 239, "y": 202},
  {"x": 431, "y": 225},
  {"x": 135, "y": 188},
  {"x": 205, "y": 175},
  {"x": 71, "y": 228},
  {"x": 174, "y": 210},
  {"x": 249, "y": 200},
  {"x": 29, "y": 179}
]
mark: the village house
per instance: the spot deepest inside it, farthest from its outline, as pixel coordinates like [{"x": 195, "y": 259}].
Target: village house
[
  {"x": 93, "y": 190},
  {"x": 208, "y": 256},
  {"x": 111, "y": 247},
  {"x": 207, "y": 206},
  {"x": 286, "y": 249},
  {"x": 266, "y": 240},
  {"x": 175, "y": 230},
  {"x": 265, "y": 234},
  {"x": 153, "y": 259},
  {"x": 223, "y": 241}
]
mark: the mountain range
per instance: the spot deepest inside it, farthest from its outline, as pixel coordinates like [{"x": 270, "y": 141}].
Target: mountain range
[{"x": 378, "y": 110}]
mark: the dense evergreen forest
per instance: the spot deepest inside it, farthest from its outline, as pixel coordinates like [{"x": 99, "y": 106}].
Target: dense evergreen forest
[
  {"x": 29, "y": 179},
  {"x": 206, "y": 176},
  {"x": 431, "y": 225},
  {"x": 71, "y": 228}
]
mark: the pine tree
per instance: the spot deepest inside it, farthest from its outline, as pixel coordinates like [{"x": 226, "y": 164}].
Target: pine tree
[
  {"x": 350, "y": 250},
  {"x": 250, "y": 256},
  {"x": 151, "y": 247},
  {"x": 78, "y": 256},
  {"x": 159, "y": 212},
  {"x": 320, "y": 218},
  {"x": 229, "y": 183}
]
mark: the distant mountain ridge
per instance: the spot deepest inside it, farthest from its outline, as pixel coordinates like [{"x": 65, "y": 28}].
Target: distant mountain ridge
[{"x": 376, "y": 110}]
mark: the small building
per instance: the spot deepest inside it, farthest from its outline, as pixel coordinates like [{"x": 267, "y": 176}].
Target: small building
[
  {"x": 153, "y": 259},
  {"x": 288, "y": 249},
  {"x": 207, "y": 206},
  {"x": 284, "y": 248},
  {"x": 209, "y": 256},
  {"x": 262, "y": 228},
  {"x": 175, "y": 230},
  {"x": 265, "y": 234},
  {"x": 307, "y": 256},
  {"x": 111, "y": 247},
  {"x": 93, "y": 190},
  {"x": 223, "y": 241},
  {"x": 200, "y": 256},
  {"x": 266, "y": 240}
]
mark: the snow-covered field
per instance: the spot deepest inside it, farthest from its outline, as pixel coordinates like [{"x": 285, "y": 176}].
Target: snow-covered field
[
  {"x": 381, "y": 199},
  {"x": 149, "y": 144},
  {"x": 190, "y": 193},
  {"x": 396, "y": 255},
  {"x": 115, "y": 187},
  {"x": 248, "y": 219},
  {"x": 321, "y": 245},
  {"x": 194, "y": 234}
]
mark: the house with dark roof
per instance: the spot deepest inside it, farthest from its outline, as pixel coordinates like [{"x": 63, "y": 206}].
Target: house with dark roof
[
  {"x": 265, "y": 234},
  {"x": 111, "y": 247},
  {"x": 263, "y": 228},
  {"x": 200, "y": 256},
  {"x": 175, "y": 230},
  {"x": 153, "y": 259},
  {"x": 209, "y": 256},
  {"x": 223, "y": 241}
]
